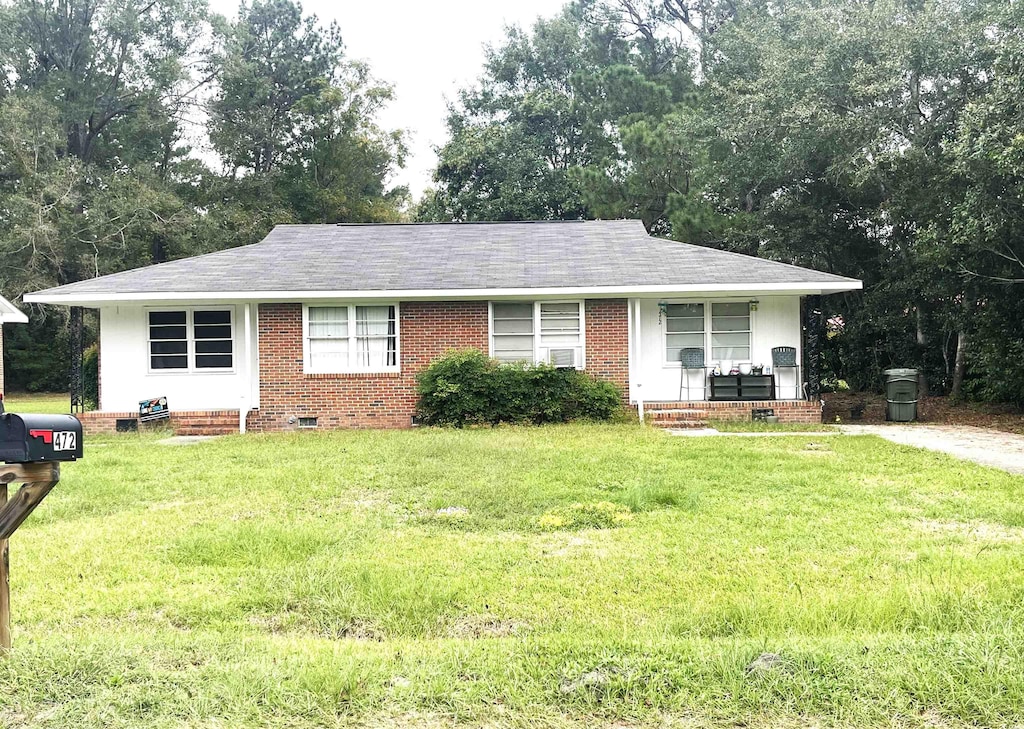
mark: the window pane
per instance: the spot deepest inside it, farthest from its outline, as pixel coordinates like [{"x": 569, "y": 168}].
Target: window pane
[
  {"x": 730, "y": 324},
  {"x": 733, "y": 354},
  {"x": 168, "y": 363},
  {"x": 328, "y": 321},
  {"x": 513, "y": 326},
  {"x": 213, "y": 332},
  {"x": 689, "y": 324},
  {"x": 376, "y": 340},
  {"x": 167, "y": 317},
  {"x": 736, "y": 339},
  {"x": 213, "y": 346},
  {"x": 206, "y": 361},
  {"x": 174, "y": 332},
  {"x": 730, "y": 331},
  {"x": 688, "y": 310},
  {"x": 684, "y": 327},
  {"x": 513, "y": 310},
  {"x": 560, "y": 322},
  {"x": 685, "y": 340},
  {"x": 731, "y": 309},
  {"x": 211, "y": 317},
  {"x": 513, "y": 348},
  {"x": 168, "y": 347}
]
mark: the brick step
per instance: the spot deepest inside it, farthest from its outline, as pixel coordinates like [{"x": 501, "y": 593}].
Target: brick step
[
  {"x": 680, "y": 424},
  {"x": 681, "y": 414},
  {"x": 679, "y": 405}
]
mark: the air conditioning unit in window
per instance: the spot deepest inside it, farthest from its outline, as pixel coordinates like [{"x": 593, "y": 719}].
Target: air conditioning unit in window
[{"x": 563, "y": 358}]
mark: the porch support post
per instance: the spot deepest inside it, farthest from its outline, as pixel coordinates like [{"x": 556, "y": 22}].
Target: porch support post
[{"x": 814, "y": 330}]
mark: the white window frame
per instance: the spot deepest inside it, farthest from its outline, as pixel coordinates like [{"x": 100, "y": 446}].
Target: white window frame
[
  {"x": 708, "y": 359},
  {"x": 307, "y": 367},
  {"x": 190, "y": 338},
  {"x": 538, "y": 347}
]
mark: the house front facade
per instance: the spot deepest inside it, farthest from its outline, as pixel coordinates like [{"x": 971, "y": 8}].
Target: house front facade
[{"x": 328, "y": 325}]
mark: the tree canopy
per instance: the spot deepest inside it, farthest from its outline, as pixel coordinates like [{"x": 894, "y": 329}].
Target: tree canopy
[
  {"x": 135, "y": 132},
  {"x": 878, "y": 139}
]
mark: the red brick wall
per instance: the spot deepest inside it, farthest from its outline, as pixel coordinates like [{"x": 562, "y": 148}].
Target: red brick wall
[
  {"x": 607, "y": 322},
  {"x": 197, "y": 422},
  {"x": 426, "y": 330}
]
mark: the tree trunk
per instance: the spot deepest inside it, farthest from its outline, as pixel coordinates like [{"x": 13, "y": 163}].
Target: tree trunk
[{"x": 959, "y": 365}]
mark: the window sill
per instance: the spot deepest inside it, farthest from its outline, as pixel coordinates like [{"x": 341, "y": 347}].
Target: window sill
[
  {"x": 352, "y": 375},
  {"x": 160, "y": 373}
]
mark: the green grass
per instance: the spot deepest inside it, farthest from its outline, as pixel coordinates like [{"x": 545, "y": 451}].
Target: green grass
[
  {"x": 37, "y": 402},
  {"x": 411, "y": 579},
  {"x": 747, "y": 426}
]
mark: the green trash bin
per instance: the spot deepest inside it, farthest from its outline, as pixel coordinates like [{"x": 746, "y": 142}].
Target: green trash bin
[{"x": 901, "y": 395}]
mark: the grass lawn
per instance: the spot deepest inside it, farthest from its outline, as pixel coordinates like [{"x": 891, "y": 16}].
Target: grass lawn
[
  {"x": 430, "y": 578},
  {"x": 37, "y": 402}
]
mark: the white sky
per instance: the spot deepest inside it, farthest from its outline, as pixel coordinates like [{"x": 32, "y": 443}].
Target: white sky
[{"x": 427, "y": 49}]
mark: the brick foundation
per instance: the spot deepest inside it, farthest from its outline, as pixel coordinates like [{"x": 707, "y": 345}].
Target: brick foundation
[
  {"x": 671, "y": 414},
  {"x": 197, "y": 422}
]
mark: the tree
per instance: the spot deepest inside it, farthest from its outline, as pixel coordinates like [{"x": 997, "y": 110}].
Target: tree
[
  {"x": 542, "y": 134},
  {"x": 294, "y": 123}
]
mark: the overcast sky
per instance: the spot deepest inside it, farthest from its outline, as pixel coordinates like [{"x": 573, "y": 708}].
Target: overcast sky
[{"x": 427, "y": 49}]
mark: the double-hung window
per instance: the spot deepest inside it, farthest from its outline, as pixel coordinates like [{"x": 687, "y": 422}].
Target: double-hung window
[
  {"x": 538, "y": 331},
  {"x": 721, "y": 328},
  {"x": 351, "y": 338},
  {"x": 730, "y": 332},
  {"x": 191, "y": 340}
]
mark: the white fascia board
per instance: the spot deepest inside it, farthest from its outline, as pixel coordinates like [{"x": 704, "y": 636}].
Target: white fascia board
[
  {"x": 94, "y": 300},
  {"x": 11, "y": 314}
]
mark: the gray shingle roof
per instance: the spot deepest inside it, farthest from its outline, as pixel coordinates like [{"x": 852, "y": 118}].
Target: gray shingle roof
[{"x": 422, "y": 257}]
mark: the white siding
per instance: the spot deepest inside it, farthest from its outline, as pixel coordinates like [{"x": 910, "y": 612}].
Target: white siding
[
  {"x": 776, "y": 323},
  {"x": 125, "y": 378}
]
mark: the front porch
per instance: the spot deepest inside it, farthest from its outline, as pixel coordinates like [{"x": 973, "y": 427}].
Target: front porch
[{"x": 698, "y": 413}]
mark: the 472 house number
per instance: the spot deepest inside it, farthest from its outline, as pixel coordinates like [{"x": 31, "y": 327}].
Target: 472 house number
[{"x": 64, "y": 440}]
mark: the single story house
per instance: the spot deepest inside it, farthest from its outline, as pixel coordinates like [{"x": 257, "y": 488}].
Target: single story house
[
  {"x": 9, "y": 314},
  {"x": 328, "y": 325}
]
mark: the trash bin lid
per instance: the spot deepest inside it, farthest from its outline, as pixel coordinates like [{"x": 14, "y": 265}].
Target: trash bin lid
[{"x": 900, "y": 372}]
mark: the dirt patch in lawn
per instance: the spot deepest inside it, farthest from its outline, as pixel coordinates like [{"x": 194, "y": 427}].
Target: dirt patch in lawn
[{"x": 485, "y": 626}]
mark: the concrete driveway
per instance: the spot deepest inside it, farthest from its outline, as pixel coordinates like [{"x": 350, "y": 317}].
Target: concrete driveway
[{"x": 981, "y": 445}]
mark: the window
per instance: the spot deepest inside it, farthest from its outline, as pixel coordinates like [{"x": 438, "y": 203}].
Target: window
[
  {"x": 730, "y": 332},
  {"x": 546, "y": 331},
  {"x": 351, "y": 338},
  {"x": 191, "y": 339},
  {"x": 684, "y": 327},
  {"x": 512, "y": 329},
  {"x": 721, "y": 329}
]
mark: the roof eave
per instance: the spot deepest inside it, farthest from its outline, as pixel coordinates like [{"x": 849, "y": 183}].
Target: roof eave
[
  {"x": 11, "y": 314},
  {"x": 53, "y": 296}
]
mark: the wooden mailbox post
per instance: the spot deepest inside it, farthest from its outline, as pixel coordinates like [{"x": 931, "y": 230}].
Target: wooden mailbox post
[
  {"x": 31, "y": 450},
  {"x": 38, "y": 479}
]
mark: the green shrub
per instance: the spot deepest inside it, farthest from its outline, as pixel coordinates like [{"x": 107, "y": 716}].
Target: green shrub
[{"x": 466, "y": 387}]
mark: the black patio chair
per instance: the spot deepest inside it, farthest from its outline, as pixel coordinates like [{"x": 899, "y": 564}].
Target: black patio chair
[
  {"x": 784, "y": 358},
  {"x": 692, "y": 358}
]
